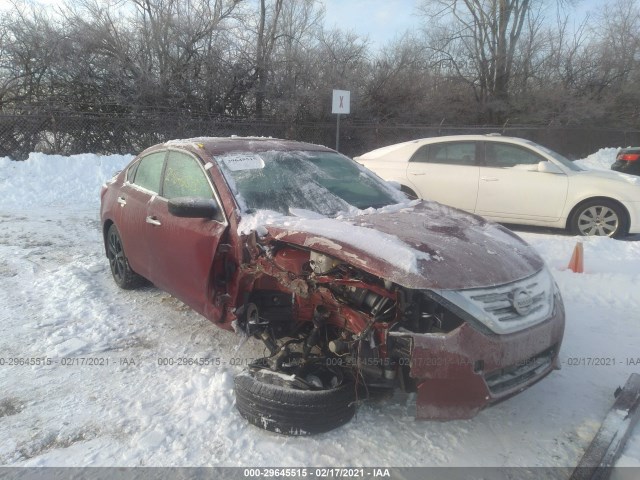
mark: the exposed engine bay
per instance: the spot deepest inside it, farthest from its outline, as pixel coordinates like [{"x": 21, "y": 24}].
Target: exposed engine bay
[{"x": 317, "y": 314}]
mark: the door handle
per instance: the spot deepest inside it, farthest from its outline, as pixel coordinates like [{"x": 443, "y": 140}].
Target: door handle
[
  {"x": 153, "y": 221},
  {"x": 418, "y": 173},
  {"x": 122, "y": 201},
  {"x": 489, "y": 179}
]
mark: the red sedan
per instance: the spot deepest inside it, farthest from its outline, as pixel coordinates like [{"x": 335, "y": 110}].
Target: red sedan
[{"x": 351, "y": 286}]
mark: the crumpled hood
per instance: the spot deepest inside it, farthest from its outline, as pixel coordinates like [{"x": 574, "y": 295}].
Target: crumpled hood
[{"x": 420, "y": 245}]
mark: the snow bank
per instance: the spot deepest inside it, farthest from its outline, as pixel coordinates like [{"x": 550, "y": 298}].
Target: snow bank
[
  {"x": 601, "y": 160},
  {"x": 56, "y": 180}
]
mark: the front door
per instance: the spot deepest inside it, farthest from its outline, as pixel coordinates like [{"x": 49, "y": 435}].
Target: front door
[
  {"x": 511, "y": 187},
  {"x": 183, "y": 249}
]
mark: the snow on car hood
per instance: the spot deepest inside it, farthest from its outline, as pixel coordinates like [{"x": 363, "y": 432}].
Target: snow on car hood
[
  {"x": 612, "y": 175},
  {"x": 420, "y": 245}
]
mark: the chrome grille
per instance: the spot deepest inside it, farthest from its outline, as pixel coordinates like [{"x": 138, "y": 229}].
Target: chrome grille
[
  {"x": 509, "y": 307},
  {"x": 500, "y": 304}
]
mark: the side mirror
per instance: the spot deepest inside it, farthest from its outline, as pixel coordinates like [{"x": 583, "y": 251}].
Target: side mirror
[
  {"x": 193, "y": 207},
  {"x": 548, "y": 167}
]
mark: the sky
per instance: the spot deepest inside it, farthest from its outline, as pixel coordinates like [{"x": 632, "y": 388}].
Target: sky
[
  {"x": 383, "y": 20},
  {"x": 380, "y": 20}
]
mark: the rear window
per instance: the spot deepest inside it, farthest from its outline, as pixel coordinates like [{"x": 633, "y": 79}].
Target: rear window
[
  {"x": 131, "y": 172},
  {"x": 447, "y": 153},
  {"x": 149, "y": 171}
]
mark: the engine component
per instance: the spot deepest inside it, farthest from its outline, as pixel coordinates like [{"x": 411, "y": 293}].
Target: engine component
[
  {"x": 338, "y": 347},
  {"x": 322, "y": 264},
  {"x": 269, "y": 343},
  {"x": 389, "y": 371},
  {"x": 365, "y": 299},
  {"x": 291, "y": 260},
  {"x": 320, "y": 317},
  {"x": 249, "y": 318}
]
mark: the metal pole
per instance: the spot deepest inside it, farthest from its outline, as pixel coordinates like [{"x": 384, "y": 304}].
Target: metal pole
[{"x": 338, "y": 134}]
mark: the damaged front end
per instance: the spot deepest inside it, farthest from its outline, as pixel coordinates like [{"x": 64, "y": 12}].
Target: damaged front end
[{"x": 326, "y": 322}]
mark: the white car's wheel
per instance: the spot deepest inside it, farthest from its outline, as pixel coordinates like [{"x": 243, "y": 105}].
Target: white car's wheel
[{"x": 599, "y": 217}]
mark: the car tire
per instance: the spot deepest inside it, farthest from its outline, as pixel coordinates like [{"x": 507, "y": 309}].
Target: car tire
[
  {"x": 267, "y": 402},
  {"x": 600, "y": 217},
  {"x": 122, "y": 273}
]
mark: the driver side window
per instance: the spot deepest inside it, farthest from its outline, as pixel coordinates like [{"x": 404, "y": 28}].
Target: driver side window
[
  {"x": 183, "y": 177},
  {"x": 501, "y": 155}
]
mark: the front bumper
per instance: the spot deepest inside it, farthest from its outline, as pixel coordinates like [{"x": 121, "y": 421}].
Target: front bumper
[
  {"x": 459, "y": 373},
  {"x": 634, "y": 216}
]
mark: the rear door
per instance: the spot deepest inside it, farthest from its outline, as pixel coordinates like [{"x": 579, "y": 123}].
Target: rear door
[
  {"x": 134, "y": 197},
  {"x": 512, "y": 187},
  {"x": 183, "y": 249},
  {"x": 446, "y": 172}
]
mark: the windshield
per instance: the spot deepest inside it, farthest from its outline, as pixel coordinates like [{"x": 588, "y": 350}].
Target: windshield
[
  {"x": 323, "y": 182},
  {"x": 556, "y": 156}
]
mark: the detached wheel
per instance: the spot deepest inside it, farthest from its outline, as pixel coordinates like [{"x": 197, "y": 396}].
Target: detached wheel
[
  {"x": 122, "y": 273},
  {"x": 602, "y": 218},
  {"x": 317, "y": 403}
]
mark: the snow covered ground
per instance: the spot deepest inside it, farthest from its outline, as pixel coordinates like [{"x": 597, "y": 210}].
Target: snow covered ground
[{"x": 94, "y": 392}]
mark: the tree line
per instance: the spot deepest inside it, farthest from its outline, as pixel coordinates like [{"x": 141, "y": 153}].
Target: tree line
[{"x": 470, "y": 62}]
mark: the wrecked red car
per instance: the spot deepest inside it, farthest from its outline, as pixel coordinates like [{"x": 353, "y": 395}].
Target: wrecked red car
[{"x": 352, "y": 287}]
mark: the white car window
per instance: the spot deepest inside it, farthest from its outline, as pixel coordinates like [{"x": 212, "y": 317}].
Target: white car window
[
  {"x": 502, "y": 155},
  {"x": 556, "y": 156},
  {"x": 449, "y": 153}
]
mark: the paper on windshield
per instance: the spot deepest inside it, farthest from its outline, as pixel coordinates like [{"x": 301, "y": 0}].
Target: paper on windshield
[{"x": 243, "y": 161}]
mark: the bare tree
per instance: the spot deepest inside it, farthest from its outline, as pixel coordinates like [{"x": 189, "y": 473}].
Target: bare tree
[
  {"x": 399, "y": 76},
  {"x": 479, "y": 40},
  {"x": 28, "y": 51},
  {"x": 265, "y": 43}
]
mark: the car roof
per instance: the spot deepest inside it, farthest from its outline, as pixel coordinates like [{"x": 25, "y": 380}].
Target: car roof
[
  {"x": 413, "y": 145},
  {"x": 221, "y": 145}
]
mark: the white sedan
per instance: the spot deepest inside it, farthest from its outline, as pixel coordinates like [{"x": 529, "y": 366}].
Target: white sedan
[{"x": 512, "y": 180}]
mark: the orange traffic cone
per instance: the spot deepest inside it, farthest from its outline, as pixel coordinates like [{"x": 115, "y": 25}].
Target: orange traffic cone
[{"x": 576, "y": 264}]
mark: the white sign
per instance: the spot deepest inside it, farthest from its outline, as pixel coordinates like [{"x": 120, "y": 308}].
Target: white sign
[
  {"x": 243, "y": 161},
  {"x": 341, "y": 101}
]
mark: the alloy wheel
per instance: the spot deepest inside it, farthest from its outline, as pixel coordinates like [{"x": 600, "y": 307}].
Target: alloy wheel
[
  {"x": 116, "y": 257},
  {"x": 598, "y": 220}
]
